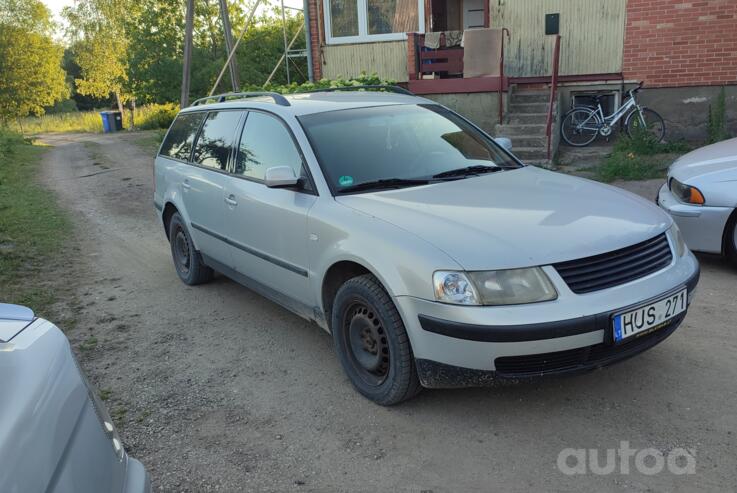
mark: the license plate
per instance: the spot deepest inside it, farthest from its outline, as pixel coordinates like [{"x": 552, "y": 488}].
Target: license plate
[{"x": 649, "y": 317}]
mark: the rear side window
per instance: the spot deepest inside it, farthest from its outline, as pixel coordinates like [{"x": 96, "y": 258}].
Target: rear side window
[
  {"x": 266, "y": 143},
  {"x": 179, "y": 140},
  {"x": 216, "y": 139}
]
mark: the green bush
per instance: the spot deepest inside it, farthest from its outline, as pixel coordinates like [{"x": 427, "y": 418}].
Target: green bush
[
  {"x": 717, "y": 125},
  {"x": 153, "y": 116},
  {"x": 639, "y": 157}
]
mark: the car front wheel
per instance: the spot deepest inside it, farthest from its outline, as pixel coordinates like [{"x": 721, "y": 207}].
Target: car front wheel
[
  {"x": 187, "y": 261},
  {"x": 372, "y": 343},
  {"x": 730, "y": 239}
]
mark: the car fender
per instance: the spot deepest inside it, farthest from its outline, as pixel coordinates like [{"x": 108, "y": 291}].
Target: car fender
[{"x": 403, "y": 262}]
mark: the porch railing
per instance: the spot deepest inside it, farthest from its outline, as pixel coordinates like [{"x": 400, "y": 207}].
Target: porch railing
[{"x": 442, "y": 59}]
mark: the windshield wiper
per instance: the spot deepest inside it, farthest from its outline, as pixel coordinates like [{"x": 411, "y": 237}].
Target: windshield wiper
[
  {"x": 469, "y": 170},
  {"x": 384, "y": 184}
]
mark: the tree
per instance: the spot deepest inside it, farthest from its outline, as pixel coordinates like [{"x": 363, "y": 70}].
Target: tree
[
  {"x": 97, "y": 28},
  {"x": 31, "y": 76}
]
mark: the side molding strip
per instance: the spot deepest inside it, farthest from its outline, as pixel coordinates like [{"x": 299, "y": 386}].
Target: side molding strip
[{"x": 281, "y": 263}]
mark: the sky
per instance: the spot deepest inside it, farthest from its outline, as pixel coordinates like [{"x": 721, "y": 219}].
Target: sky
[{"x": 57, "y": 5}]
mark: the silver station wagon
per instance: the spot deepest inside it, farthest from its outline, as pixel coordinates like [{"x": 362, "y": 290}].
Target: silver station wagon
[{"x": 431, "y": 254}]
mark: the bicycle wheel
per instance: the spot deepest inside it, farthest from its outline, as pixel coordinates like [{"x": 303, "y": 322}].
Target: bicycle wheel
[
  {"x": 580, "y": 127},
  {"x": 646, "y": 120}
]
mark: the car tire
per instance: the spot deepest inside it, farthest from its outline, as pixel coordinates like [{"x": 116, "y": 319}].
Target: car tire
[
  {"x": 730, "y": 239},
  {"x": 372, "y": 343},
  {"x": 187, "y": 261}
]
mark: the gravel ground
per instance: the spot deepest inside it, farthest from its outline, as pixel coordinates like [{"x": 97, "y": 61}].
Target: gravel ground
[{"x": 217, "y": 389}]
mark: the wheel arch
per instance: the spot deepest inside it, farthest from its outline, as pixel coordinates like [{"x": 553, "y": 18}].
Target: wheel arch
[
  {"x": 728, "y": 228},
  {"x": 335, "y": 276},
  {"x": 166, "y": 214}
]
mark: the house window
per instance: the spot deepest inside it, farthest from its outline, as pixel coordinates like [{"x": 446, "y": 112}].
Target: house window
[{"x": 362, "y": 21}]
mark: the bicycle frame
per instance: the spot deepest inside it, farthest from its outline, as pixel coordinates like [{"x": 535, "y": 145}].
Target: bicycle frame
[{"x": 600, "y": 120}]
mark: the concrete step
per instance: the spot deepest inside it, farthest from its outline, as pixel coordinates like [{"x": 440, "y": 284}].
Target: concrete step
[
  {"x": 528, "y": 107},
  {"x": 523, "y": 141},
  {"x": 511, "y": 129},
  {"x": 537, "y": 118},
  {"x": 530, "y": 153},
  {"x": 530, "y": 97}
]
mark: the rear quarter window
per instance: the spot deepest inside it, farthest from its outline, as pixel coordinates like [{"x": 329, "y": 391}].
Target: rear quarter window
[{"x": 178, "y": 142}]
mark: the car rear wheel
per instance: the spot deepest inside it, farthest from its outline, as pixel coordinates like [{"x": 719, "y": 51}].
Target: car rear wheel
[
  {"x": 372, "y": 343},
  {"x": 187, "y": 261}
]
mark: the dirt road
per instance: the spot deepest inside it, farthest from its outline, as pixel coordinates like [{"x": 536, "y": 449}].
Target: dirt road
[{"x": 216, "y": 388}]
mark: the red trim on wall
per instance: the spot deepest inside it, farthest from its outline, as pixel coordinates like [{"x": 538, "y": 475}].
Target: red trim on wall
[{"x": 451, "y": 86}]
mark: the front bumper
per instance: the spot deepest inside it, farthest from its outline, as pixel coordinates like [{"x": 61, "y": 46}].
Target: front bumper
[
  {"x": 456, "y": 347},
  {"x": 702, "y": 226}
]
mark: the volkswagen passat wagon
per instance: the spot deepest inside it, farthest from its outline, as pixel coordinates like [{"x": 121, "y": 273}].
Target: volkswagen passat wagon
[{"x": 431, "y": 254}]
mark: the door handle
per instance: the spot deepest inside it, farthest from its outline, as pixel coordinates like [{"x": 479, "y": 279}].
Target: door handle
[
  {"x": 186, "y": 185},
  {"x": 230, "y": 200}
]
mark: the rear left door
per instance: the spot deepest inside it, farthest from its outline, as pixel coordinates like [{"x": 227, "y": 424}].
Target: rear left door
[{"x": 203, "y": 189}]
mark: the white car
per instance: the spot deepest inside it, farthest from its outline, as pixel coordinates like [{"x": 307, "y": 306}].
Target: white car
[
  {"x": 55, "y": 433},
  {"x": 701, "y": 195}
]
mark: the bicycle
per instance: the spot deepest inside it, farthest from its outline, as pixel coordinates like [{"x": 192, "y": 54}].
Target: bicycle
[{"x": 582, "y": 124}]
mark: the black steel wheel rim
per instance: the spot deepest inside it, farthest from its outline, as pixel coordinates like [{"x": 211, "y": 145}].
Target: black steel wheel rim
[
  {"x": 182, "y": 251},
  {"x": 366, "y": 343}
]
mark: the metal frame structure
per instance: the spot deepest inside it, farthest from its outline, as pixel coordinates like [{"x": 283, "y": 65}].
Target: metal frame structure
[{"x": 231, "y": 47}]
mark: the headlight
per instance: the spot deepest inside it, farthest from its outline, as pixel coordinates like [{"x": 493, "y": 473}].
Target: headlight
[
  {"x": 686, "y": 193},
  {"x": 678, "y": 241},
  {"x": 499, "y": 287},
  {"x": 454, "y": 287}
]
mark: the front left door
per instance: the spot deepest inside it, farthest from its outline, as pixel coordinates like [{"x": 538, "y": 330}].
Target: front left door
[{"x": 268, "y": 226}]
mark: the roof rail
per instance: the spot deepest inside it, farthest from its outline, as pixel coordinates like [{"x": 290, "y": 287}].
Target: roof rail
[
  {"x": 221, "y": 98},
  {"x": 386, "y": 87}
]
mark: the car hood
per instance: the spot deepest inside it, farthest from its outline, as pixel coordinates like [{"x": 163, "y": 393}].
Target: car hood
[
  {"x": 517, "y": 218},
  {"x": 715, "y": 162}
]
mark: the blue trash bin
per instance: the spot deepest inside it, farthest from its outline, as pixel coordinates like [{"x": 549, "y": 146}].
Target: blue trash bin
[{"x": 106, "y": 127}]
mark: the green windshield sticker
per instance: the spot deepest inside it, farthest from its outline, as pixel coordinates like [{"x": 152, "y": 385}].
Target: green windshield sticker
[{"x": 345, "y": 181}]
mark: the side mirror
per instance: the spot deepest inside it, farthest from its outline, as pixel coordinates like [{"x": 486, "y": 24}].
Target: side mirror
[
  {"x": 504, "y": 142},
  {"x": 280, "y": 176}
]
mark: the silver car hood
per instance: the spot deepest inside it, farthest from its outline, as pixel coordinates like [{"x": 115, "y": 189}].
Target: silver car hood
[
  {"x": 517, "y": 218},
  {"x": 715, "y": 162}
]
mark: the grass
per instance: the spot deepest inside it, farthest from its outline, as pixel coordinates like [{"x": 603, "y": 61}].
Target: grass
[
  {"x": 147, "y": 117},
  {"x": 639, "y": 157},
  {"x": 88, "y": 344},
  {"x": 32, "y": 227}
]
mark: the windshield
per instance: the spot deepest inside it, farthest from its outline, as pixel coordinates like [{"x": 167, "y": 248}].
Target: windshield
[{"x": 403, "y": 144}]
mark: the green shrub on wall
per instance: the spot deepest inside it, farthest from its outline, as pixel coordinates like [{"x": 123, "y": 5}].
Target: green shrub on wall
[{"x": 717, "y": 124}]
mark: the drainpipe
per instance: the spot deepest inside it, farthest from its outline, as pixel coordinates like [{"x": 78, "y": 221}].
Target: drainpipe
[{"x": 308, "y": 35}]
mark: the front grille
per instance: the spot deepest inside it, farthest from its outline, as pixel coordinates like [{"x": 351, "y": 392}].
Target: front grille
[
  {"x": 580, "y": 359},
  {"x": 618, "y": 267}
]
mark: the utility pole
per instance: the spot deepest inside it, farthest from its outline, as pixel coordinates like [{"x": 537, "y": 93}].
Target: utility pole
[
  {"x": 286, "y": 44},
  {"x": 184, "y": 101},
  {"x": 229, "y": 44}
]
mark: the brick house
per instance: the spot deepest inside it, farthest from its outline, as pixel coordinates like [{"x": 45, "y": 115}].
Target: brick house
[{"x": 682, "y": 50}]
